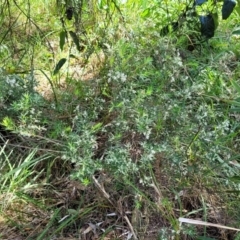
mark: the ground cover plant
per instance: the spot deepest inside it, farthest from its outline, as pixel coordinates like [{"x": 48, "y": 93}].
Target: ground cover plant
[{"x": 119, "y": 120}]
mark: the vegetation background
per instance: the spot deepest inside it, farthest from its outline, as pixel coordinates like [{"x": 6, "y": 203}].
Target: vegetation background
[{"x": 119, "y": 119}]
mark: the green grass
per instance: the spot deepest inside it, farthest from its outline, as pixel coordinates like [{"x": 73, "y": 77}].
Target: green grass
[{"x": 132, "y": 132}]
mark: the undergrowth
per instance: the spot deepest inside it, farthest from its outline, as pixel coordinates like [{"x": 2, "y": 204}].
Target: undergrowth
[{"x": 111, "y": 131}]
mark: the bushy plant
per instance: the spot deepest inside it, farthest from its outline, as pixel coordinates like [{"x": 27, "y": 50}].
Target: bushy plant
[{"x": 159, "y": 121}]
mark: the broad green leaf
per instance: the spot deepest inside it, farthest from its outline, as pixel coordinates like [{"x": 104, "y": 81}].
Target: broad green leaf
[
  {"x": 63, "y": 36},
  {"x": 235, "y": 179},
  {"x": 235, "y": 110},
  {"x": 237, "y": 8},
  {"x": 236, "y": 31},
  {"x": 59, "y": 65},
  {"x": 101, "y": 4},
  {"x": 215, "y": 19}
]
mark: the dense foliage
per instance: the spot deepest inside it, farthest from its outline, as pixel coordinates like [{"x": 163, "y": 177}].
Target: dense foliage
[{"x": 118, "y": 119}]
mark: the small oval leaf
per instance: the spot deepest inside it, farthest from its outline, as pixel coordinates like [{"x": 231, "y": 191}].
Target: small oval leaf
[
  {"x": 59, "y": 65},
  {"x": 73, "y": 56},
  {"x": 145, "y": 13}
]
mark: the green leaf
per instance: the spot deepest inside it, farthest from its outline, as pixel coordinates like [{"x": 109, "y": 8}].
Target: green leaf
[
  {"x": 73, "y": 56},
  {"x": 145, "y": 13},
  {"x": 215, "y": 19},
  {"x": 63, "y": 36},
  {"x": 100, "y": 4},
  {"x": 149, "y": 91},
  {"x": 235, "y": 110},
  {"x": 205, "y": 238},
  {"x": 59, "y": 65},
  {"x": 237, "y": 8},
  {"x": 235, "y": 179},
  {"x": 236, "y": 31},
  {"x": 75, "y": 40},
  {"x": 8, "y": 123},
  {"x": 236, "y": 86},
  {"x": 97, "y": 127}
]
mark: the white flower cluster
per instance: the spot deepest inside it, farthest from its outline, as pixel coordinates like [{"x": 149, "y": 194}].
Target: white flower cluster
[
  {"x": 114, "y": 76},
  {"x": 12, "y": 83}
]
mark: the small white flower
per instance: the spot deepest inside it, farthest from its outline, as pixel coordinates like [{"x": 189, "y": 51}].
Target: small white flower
[
  {"x": 123, "y": 77},
  {"x": 32, "y": 111}
]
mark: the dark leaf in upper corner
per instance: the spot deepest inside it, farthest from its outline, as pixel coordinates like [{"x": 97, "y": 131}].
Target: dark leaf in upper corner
[
  {"x": 227, "y": 8},
  {"x": 200, "y": 2}
]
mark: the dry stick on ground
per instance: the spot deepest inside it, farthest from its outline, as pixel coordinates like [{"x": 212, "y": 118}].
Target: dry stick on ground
[
  {"x": 198, "y": 222},
  {"x": 107, "y": 196},
  {"x": 131, "y": 227},
  {"x": 101, "y": 188}
]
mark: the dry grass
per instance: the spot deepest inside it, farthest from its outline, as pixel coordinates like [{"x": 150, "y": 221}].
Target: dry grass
[{"x": 101, "y": 211}]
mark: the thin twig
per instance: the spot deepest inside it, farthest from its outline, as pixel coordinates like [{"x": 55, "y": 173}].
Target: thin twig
[{"x": 131, "y": 227}]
